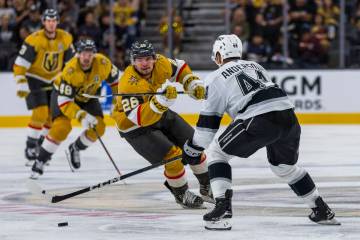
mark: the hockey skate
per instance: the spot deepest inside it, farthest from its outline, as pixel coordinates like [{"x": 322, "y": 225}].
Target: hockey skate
[
  {"x": 31, "y": 151},
  {"x": 40, "y": 141},
  {"x": 37, "y": 169},
  {"x": 206, "y": 193},
  {"x": 218, "y": 218},
  {"x": 31, "y": 155},
  {"x": 322, "y": 214},
  {"x": 186, "y": 198},
  {"x": 73, "y": 157}
]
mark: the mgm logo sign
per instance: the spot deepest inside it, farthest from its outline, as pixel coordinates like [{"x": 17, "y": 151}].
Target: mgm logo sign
[{"x": 51, "y": 61}]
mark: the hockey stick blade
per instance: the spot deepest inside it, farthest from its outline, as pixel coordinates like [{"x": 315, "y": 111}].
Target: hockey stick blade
[
  {"x": 59, "y": 198},
  {"x": 126, "y": 94}
]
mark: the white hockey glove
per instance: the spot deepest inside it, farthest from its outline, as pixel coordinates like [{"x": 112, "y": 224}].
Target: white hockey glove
[
  {"x": 22, "y": 88},
  {"x": 160, "y": 103},
  {"x": 194, "y": 86},
  {"x": 196, "y": 89},
  {"x": 87, "y": 120}
]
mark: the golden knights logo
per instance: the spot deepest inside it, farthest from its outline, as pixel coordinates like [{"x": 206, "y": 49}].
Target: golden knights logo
[{"x": 51, "y": 61}]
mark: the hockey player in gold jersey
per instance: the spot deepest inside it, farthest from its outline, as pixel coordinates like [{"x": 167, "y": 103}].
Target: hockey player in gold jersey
[
  {"x": 151, "y": 128},
  {"x": 40, "y": 59},
  {"x": 83, "y": 74}
]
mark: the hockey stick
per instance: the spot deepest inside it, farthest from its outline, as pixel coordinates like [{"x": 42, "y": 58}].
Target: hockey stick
[
  {"x": 43, "y": 89},
  {"x": 59, "y": 198},
  {"x": 40, "y": 90},
  {"x": 107, "y": 152},
  {"x": 127, "y": 94}
]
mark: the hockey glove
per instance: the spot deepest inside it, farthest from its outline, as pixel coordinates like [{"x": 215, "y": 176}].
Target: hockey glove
[
  {"x": 22, "y": 88},
  {"x": 192, "y": 154},
  {"x": 87, "y": 120},
  {"x": 164, "y": 101},
  {"x": 195, "y": 87}
]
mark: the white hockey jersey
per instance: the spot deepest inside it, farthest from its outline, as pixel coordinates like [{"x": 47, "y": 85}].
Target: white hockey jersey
[{"x": 243, "y": 90}]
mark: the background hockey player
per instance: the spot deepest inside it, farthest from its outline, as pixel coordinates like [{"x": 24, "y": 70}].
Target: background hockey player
[
  {"x": 84, "y": 73},
  {"x": 263, "y": 116},
  {"x": 151, "y": 128},
  {"x": 40, "y": 59}
]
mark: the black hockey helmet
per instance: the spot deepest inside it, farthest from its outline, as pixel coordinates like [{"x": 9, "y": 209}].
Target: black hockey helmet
[
  {"x": 141, "y": 49},
  {"x": 50, "y": 14},
  {"x": 86, "y": 45}
]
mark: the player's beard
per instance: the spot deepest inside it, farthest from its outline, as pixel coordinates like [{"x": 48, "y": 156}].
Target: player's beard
[
  {"x": 144, "y": 72},
  {"x": 86, "y": 64}
]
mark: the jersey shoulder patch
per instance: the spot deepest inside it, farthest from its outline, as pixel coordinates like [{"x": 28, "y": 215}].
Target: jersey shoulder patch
[
  {"x": 70, "y": 70},
  {"x": 103, "y": 60}
]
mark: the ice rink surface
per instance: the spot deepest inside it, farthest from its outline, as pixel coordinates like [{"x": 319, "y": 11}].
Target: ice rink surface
[{"x": 141, "y": 208}]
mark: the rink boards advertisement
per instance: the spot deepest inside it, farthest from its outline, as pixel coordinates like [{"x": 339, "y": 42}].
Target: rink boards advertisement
[{"x": 319, "y": 96}]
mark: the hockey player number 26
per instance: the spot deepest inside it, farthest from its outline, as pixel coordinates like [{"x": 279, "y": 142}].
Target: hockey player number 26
[
  {"x": 248, "y": 84},
  {"x": 129, "y": 103}
]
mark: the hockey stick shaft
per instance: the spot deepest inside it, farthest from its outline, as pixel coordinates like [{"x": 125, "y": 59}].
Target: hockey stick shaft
[
  {"x": 59, "y": 198},
  {"x": 107, "y": 152},
  {"x": 43, "y": 89},
  {"x": 127, "y": 94}
]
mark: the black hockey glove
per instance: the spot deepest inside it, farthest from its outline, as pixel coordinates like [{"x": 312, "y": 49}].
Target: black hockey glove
[{"x": 191, "y": 153}]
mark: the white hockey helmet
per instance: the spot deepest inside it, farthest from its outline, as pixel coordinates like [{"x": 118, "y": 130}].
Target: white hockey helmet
[{"x": 227, "y": 46}]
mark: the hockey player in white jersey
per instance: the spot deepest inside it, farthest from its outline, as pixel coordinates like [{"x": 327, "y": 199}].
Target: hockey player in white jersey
[{"x": 263, "y": 116}]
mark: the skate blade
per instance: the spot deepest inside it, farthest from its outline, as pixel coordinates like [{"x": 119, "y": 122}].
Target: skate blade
[
  {"x": 198, "y": 207},
  {"x": 220, "y": 225},
  {"x": 34, "y": 176},
  {"x": 329, "y": 222},
  {"x": 69, "y": 160}
]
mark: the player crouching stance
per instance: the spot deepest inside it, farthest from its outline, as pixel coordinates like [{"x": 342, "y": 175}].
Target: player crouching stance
[
  {"x": 150, "y": 127},
  {"x": 263, "y": 116},
  {"x": 84, "y": 73}
]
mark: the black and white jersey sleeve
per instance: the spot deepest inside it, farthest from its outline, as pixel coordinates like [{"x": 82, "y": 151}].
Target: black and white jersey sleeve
[
  {"x": 69, "y": 53},
  {"x": 27, "y": 55},
  {"x": 114, "y": 76},
  {"x": 213, "y": 109}
]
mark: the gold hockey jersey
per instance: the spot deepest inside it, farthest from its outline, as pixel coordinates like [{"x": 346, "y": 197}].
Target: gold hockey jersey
[
  {"x": 133, "y": 112},
  {"x": 43, "y": 58},
  {"x": 73, "y": 82}
]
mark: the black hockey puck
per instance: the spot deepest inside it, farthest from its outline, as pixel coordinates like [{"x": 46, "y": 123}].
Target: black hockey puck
[{"x": 63, "y": 224}]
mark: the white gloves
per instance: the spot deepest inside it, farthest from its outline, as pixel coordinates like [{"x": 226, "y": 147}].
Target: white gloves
[
  {"x": 87, "y": 120},
  {"x": 22, "y": 88},
  {"x": 165, "y": 100},
  {"x": 196, "y": 89},
  {"x": 168, "y": 98}
]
